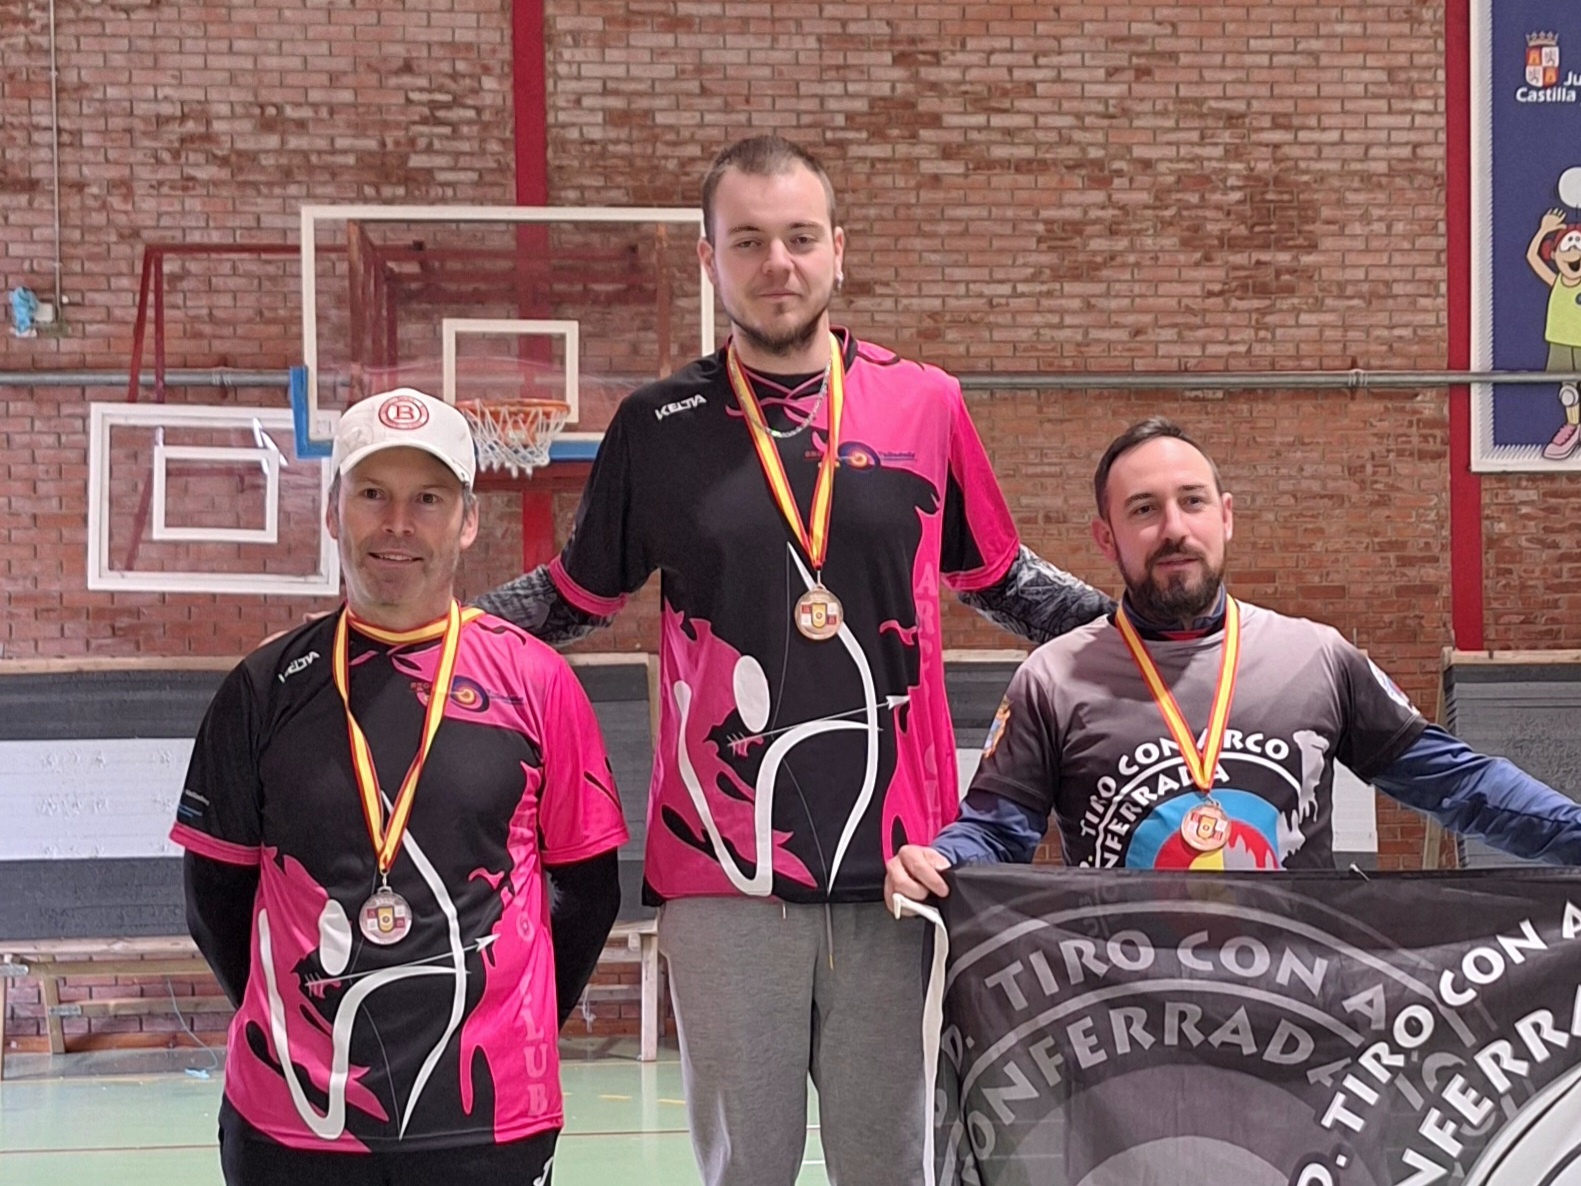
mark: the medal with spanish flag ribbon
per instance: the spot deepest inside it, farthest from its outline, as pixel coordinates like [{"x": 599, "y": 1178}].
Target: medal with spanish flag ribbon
[
  {"x": 386, "y": 917},
  {"x": 818, "y": 614},
  {"x": 1206, "y": 827}
]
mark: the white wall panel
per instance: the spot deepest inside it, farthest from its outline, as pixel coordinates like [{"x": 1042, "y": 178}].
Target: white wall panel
[{"x": 90, "y": 799}]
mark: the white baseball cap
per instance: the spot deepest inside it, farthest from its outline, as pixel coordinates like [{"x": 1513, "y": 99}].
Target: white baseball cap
[{"x": 406, "y": 418}]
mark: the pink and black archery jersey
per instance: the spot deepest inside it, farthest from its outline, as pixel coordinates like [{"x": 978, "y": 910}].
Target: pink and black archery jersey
[{"x": 447, "y": 1037}]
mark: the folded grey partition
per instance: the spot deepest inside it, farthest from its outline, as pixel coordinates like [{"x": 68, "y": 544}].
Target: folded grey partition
[
  {"x": 1525, "y": 706},
  {"x": 66, "y": 897},
  {"x": 129, "y": 702},
  {"x": 53, "y": 721},
  {"x": 619, "y": 692}
]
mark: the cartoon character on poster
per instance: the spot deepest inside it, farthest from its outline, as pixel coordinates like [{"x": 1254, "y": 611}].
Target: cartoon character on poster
[
  {"x": 1524, "y": 136},
  {"x": 1554, "y": 254}
]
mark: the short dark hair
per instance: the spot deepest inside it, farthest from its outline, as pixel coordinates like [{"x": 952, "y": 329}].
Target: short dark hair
[
  {"x": 1138, "y": 434},
  {"x": 760, "y": 156}
]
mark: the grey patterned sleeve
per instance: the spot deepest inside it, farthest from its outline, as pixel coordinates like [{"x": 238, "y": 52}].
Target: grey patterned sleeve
[
  {"x": 1038, "y": 601},
  {"x": 532, "y": 602}
]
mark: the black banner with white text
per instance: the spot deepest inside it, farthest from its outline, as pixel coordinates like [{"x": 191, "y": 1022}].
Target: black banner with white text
[{"x": 1154, "y": 1029}]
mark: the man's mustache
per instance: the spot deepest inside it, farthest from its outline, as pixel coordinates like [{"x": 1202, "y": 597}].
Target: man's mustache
[{"x": 1168, "y": 551}]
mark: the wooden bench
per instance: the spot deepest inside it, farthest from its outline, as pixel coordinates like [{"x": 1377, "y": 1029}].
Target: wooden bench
[
  {"x": 51, "y": 961},
  {"x": 641, "y": 940}
]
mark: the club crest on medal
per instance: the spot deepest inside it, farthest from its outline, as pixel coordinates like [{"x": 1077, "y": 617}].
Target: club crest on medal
[
  {"x": 1206, "y": 828},
  {"x": 385, "y": 918},
  {"x": 818, "y": 614}
]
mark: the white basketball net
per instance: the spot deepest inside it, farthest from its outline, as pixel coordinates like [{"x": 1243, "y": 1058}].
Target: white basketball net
[{"x": 514, "y": 434}]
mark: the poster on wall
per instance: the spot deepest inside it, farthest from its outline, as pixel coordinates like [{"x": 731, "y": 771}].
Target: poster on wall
[{"x": 1526, "y": 231}]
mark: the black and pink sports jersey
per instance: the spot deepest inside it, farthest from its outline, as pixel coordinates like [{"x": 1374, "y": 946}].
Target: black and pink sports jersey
[
  {"x": 788, "y": 766},
  {"x": 448, "y": 1037}
]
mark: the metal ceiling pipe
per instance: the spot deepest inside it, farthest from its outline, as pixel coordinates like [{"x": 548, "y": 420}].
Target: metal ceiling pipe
[
  {"x": 218, "y": 377},
  {"x": 54, "y": 135},
  {"x": 971, "y": 381},
  {"x": 1248, "y": 380}
]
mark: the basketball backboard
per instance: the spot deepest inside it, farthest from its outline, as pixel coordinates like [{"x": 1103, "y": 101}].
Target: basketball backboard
[
  {"x": 579, "y": 304},
  {"x": 201, "y": 499}
]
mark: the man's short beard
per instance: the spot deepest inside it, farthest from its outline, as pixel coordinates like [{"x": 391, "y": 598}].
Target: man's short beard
[
  {"x": 1180, "y": 602},
  {"x": 780, "y": 345}
]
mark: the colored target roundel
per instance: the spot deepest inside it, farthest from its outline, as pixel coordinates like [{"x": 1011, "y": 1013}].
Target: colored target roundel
[
  {"x": 468, "y": 694},
  {"x": 857, "y": 456},
  {"x": 402, "y": 412}
]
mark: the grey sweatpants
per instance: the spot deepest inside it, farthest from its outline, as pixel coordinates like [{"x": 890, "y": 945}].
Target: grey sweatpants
[{"x": 758, "y": 1007}]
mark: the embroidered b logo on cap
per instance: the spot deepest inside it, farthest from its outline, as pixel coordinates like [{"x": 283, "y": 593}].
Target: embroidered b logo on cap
[
  {"x": 402, "y": 412},
  {"x": 405, "y": 418}
]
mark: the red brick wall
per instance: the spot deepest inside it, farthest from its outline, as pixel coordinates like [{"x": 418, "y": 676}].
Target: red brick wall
[
  {"x": 1109, "y": 187},
  {"x": 1533, "y": 564},
  {"x": 159, "y": 1026},
  {"x": 212, "y": 124},
  {"x": 1102, "y": 186}
]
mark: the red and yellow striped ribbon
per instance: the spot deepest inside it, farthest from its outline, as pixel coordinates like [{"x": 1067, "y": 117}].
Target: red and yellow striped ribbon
[
  {"x": 814, "y": 534},
  {"x": 387, "y": 838},
  {"x": 1201, "y": 765}
]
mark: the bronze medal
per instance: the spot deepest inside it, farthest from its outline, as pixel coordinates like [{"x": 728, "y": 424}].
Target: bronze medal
[
  {"x": 386, "y": 917},
  {"x": 818, "y": 614},
  {"x": 1199, "y": 764},
  {"x": 1206, "y": 828}
]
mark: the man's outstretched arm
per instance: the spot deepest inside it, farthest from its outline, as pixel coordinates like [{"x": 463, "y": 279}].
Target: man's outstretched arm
[
  {"x": 1489, "y": 798},
  {"x": 533, "y": 602},
  {"x": 1038, "y": 601}
]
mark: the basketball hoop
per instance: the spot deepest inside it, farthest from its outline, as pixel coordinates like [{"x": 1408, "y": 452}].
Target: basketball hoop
[{"x": 514, "y": 434}]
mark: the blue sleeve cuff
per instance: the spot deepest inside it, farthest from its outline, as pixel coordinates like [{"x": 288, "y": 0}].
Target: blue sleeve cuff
[{"x": 991, "y": 829}]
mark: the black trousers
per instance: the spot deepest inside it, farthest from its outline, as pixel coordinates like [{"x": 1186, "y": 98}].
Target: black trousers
[{"x": 249, "y": 1158}]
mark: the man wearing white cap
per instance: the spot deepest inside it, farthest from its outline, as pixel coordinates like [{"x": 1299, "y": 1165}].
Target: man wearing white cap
[{"x": 371, "y": 805}]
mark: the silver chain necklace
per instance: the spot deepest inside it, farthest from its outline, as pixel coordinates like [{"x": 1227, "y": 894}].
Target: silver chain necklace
[{"x": 789, "y": 433}]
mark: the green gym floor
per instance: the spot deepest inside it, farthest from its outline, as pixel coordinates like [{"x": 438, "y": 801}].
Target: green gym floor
[{"x": 137, "y": 1118}]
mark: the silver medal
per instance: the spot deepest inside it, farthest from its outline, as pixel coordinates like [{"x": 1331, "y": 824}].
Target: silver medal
[{"x": 385, "y": 917}]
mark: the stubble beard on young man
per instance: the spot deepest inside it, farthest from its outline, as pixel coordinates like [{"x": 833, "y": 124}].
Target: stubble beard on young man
[{"x": 783, "y": 345}]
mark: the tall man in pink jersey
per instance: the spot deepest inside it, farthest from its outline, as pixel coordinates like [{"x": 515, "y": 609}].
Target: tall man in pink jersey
[
  {"x": 802, "y": 494},
  {"x": 371, "y": 807}
]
